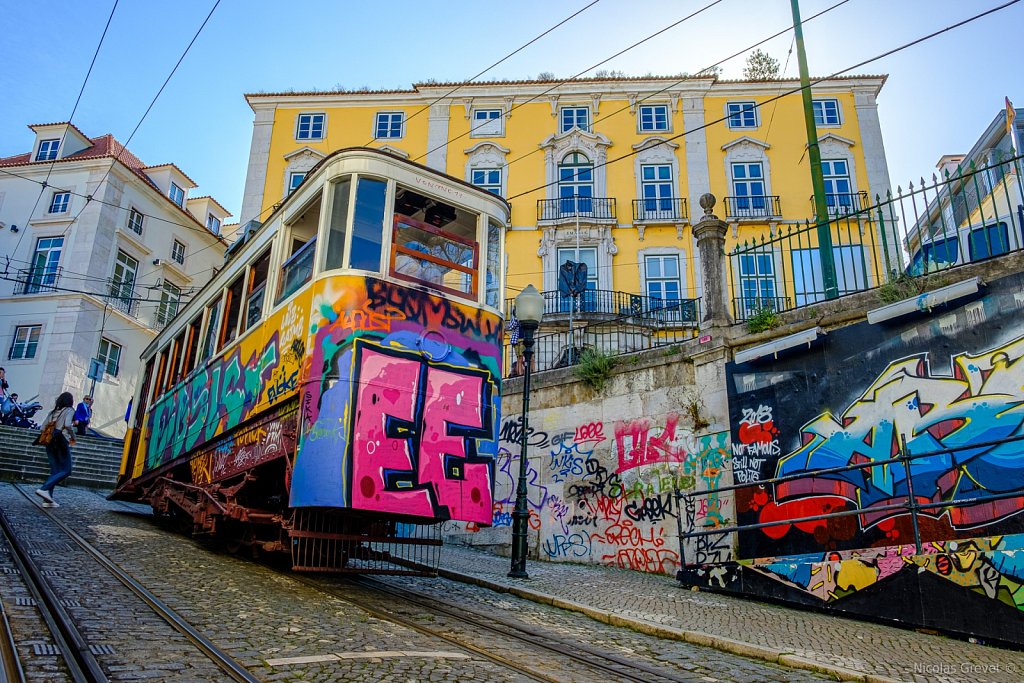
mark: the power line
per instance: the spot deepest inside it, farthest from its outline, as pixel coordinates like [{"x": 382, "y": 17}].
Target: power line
[
  {"x": 570, "y": 78},
  {"x": 503, "y": 59},
  {"x": 74, "y": 109},
  {"x": 707, "y": 68},
  {"x": 124, "y": 146},
  {"x": 757, "y": 105},
  {"x": 194, "y": 228}
]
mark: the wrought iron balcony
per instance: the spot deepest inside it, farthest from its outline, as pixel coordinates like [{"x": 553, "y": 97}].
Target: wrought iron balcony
[
  {"x": 565, "y": 208},
  {"x": 664, "y": 210},
  {"x": 37, "y": 280},
  {"x": 760, "y": 206},
  {"x": 843, "y": 204},
  {"x": 121, "y": 295},
  {"x": 602, "y": 304}
]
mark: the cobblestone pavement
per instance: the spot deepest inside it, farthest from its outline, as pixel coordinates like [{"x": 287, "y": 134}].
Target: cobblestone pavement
[
  {"x": 593, "y": 640},
  {"x": 852, "y": 649},
  {"x": 100, "y": 605},
  {"x": 254, "y": 614},
  {"x": 284, "y": 630}
]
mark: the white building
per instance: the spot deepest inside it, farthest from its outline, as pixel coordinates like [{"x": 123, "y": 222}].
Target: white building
[{"x": 98, "y": 251}]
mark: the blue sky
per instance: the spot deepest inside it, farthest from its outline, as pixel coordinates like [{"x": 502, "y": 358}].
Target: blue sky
[{"x": 939, "y": 97}]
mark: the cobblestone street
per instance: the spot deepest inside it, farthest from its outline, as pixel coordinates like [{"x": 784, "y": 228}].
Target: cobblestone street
[
  {"x": 851, "y": 649},
  {"x": 287, "y": 627}
]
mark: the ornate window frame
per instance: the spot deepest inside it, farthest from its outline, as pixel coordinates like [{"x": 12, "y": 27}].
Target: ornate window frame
[
  {"x": 301, "y": 160},
  {"x": 592, "y": 145},
  {"x": 487, "y": 154},
  {"x": 656, "y": 149}
]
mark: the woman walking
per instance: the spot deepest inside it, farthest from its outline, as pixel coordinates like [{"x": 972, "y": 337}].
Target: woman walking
[{"x": 58, "y": 448}]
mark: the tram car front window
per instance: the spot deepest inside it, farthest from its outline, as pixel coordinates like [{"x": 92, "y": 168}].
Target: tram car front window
[{"x": 434, "y": 244}]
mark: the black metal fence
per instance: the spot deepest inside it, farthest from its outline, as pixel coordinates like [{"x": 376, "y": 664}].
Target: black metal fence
[
  {"x": 970, "y": 215},
  {"x": 757, "y": 206},
  {"x": 601, "y": 208},
  {"x": 643, "y": 323},
  {"x": 668, "y": 210},
  {"x": 37, "y": 280},
  {"x": 913, "y": 502}
]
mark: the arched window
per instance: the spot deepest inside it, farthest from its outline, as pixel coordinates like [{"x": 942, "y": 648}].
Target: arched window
[{"x": 575, "y": 184}]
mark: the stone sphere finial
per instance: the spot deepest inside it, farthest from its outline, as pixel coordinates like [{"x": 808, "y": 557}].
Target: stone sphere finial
[{"x": 707, "y": 202}]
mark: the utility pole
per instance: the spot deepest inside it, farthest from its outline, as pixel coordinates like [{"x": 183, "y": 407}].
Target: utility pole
[
  {"x": 103, "y": 324},
  {"x": 828, "y": 264}
]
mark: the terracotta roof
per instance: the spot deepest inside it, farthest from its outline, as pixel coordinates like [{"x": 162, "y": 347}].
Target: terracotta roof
[
  {"x": 103, "y": 146},
  {"x": 175, "y": 167},
  {"x": 108, "y": 147},
  {"x": 307, "y": 93},
  {"x": 78, "y": 130},
  {"x": 609, "y": 79},
  {"x": 206, "y": 196}
]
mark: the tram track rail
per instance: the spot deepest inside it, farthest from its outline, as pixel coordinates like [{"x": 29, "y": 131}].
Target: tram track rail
[
  {"x": 73, "y": 646},
  {"x": 591, "y": 659},
  {"x": 69, "y": 640},
  {"x": 10, "y": 664}
]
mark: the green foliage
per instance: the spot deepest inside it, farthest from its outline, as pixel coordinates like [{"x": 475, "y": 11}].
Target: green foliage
[
  {"x": 764, "y": 319},
  {"x": 899, "y": 287},
  {"x": 695, "y": 409},
  {"x": 595, "y": 368},
  {"x": 761, "y": 67}
]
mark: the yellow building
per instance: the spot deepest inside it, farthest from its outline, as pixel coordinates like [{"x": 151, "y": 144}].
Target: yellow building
[{"x": 606, "y": 171}]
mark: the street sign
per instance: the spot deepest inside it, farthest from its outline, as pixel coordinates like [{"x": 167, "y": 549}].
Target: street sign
[{"x": 95, "y": 370}]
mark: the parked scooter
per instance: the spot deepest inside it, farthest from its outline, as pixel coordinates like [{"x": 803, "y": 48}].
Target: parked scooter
[{"x": 17, "y": 414}]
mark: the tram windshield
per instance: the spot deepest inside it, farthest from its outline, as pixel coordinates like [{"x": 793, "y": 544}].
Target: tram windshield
[{"x": 434, "y": 243}]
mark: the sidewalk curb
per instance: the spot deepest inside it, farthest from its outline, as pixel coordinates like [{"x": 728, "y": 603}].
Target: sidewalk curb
[{"x": 736, "y": 647}]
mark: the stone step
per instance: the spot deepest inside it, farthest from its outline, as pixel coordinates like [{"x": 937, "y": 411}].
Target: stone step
[{"x": 96, "y": 461}]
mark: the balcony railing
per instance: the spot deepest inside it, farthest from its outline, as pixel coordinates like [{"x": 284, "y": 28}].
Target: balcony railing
[
  {"x": 121, "y": 295},
  {"x": 601, "y": 208},
  {"x": 843, "y": 203},
  {"x": 603, "y": 304},
  {"x": 37, "y": 280},
  {"x": 762, "y": 206},
  {"x": 616, "y": 323},
  {"x": 652, "y": 210},
  {"x": 747, "y": 307}
]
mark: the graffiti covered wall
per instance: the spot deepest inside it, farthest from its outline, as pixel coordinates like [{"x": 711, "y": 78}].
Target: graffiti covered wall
[
  {"x": 603, "y": 474},
  {"x": 950, "y": 384}
]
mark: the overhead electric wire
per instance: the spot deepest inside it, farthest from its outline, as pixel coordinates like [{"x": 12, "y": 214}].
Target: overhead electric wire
[
  {"x": 74, "y": 110},
  {"x": 124, "y": 145},
  {"x": 560, "y": 83},
  {"x": 683, "y": 80},
  {"x": 793, "y": 91},
  {"x": 503, "y": 59}
]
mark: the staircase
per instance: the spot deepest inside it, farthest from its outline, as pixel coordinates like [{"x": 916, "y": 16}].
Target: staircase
[{"x": 96, "y": 461}]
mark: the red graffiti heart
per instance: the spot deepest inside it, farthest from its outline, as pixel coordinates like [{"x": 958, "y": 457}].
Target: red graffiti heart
[
  {"x": 797, "y": 509},
  {"x": 757, "y": 433}
]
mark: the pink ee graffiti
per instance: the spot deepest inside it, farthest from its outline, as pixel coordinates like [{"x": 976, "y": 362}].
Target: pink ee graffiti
[{"x": 450, "y": 399}]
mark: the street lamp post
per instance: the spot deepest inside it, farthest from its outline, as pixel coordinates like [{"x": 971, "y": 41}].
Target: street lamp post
[{"x": 529, "y": 311}]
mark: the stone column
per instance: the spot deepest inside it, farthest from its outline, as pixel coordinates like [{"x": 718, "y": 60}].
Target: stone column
[{"x": 710, "y": 235}]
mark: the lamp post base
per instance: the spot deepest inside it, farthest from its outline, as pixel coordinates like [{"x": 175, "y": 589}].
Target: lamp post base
[{"x": 518, "y": 574}]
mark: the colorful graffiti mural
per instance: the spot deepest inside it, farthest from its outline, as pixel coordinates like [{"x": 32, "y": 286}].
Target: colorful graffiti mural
[
  {"x": 213, "y": 400},
  {"x": 400, "y": 411},
  {"x": 964, "y": 432},
  {"x": 950, "y": 386},
  {"x": 606, "y": 493}
]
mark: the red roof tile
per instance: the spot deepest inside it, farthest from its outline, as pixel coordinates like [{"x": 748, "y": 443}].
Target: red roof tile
[{"x": 107, "y": 147}]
